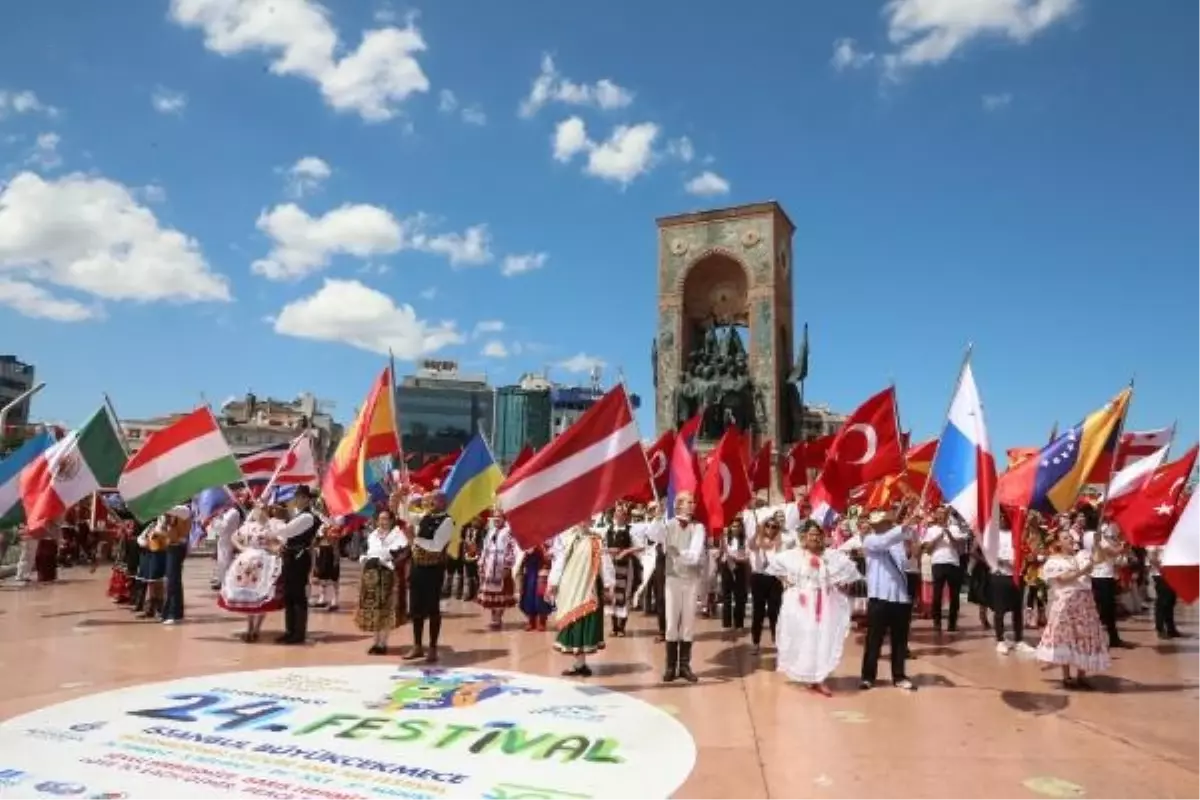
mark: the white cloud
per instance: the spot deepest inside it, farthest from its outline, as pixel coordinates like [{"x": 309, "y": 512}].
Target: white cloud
[
  {"x": 474, "y": 115},
  {"x": 306, "y": 176},
  {"x": 428, "y": 294},
  {"x": 153, "y": 193},
  {"x": 166, "y": 101},
  {"x": 570, "y": 139},
  {"x": 520, "y": 264},
  {"x": 34, "y": 301},
  {"x": 681, "y": 149},
  {"x": 45, "y": 152},
  {"x": 996, "y": 102},
  {"x": 24, "y": 102},
  {"x": 303, "y": 244},
  {"x": 349, "y": 312},
  {"x": 707, "y": 184},
  {"x": 929, "y": 32},
  {"x": 487, "y": 326},
  {"x": 494, "y": 349},
  {"x": 472, "y": 247},
  {"x": 551, "y": 87},
  {"x": 372, "y": 80},
  {"x": 627, "y": 153},
  {"x": 581, "y": 362},
  {"x": 90, "y": 234},
  {"x": 448, "y": 104},
  {"x": 846, "y": 55}
]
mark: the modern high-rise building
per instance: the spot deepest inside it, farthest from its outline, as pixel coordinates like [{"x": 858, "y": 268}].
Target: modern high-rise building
[
  {"x": 16, "y": 378},
  {"x": 522, "y": 418},
  {"x": 440, "y": 410}
]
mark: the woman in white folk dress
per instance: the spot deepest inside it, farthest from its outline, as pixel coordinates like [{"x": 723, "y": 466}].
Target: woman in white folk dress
[
  {"x": 251, "y": 585},
  {"x": 814, "y": 617}
]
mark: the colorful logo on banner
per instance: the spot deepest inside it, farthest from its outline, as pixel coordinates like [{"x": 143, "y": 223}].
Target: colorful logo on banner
[{"x": 339, "y": 733}]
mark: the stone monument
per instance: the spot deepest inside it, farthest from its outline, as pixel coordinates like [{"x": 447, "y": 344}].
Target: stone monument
[{"x": 725, "y": 323}]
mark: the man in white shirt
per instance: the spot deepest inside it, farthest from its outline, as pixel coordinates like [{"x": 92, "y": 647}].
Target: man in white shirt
[
  {"x": 1007, "y": 596},
  {"x": 682, "y": 539},
  {"x": 1104, "y": 550},
  {"x": 1164, "y": 596},
  {"x": 943, "y": 540}
]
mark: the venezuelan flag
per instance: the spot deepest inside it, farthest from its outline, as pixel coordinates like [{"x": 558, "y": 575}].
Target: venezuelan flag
[
  {"x": 1050, "y": 481},
  {"x": 345, "y": 488},
  {"x": 470, "y": 488}
]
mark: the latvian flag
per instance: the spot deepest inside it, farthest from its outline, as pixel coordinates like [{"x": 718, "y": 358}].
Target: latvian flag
[
  {"x": 298, "y": 464},
  {"x": 596, "y": 462}
]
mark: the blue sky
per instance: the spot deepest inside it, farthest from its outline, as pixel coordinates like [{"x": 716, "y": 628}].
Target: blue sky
[{"x": 182, "y": 180}]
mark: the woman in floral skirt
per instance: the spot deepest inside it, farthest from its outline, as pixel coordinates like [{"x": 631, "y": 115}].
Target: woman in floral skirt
[{"x": 1073, "y": 636}]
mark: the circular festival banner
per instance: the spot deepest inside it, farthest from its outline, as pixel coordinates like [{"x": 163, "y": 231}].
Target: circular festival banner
[{"x": 337, "y": 733}]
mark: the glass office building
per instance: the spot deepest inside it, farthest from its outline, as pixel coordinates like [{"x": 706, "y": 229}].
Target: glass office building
[
  {"x": 440, "y": 410},
  {"x": 522, "y": 417}
]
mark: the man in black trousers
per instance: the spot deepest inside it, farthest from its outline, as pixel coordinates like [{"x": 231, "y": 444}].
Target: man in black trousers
[
  {"x": 889, "y": 604},
  {"x": 298, "y": 536}
]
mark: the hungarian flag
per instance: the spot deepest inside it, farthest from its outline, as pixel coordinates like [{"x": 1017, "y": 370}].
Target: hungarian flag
[
  {"x": 84, "y": 461},
  {"x": 177, "y": 463},
  {"x": 867, "y": 448},
  {"x": 597, "y": 461},
  {"x": 1181, "y": 556},
  {"x": 1147, "y": 510},
  {"x": 725, "y": 487},
  {"x": 760, "y": 469},
  {"x": 658, "y": 456}
]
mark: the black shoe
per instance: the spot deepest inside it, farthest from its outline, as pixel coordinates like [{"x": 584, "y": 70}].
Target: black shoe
[
  {"x": 685, "y": 662},
  {"x": 582, "y": 671},
  {"x": 672, "y": 670},
  {"x": 286, "y": 638}
]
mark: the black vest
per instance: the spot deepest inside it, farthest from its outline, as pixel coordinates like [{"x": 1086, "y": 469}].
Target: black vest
[
  {"x": 429, "y": 524},
  {"x": 299, "y": 544}
]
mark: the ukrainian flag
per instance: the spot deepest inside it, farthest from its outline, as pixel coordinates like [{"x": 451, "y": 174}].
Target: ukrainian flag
[
  {"x": 470, "y": 489},
  {"x": 1050, "y": 481}
]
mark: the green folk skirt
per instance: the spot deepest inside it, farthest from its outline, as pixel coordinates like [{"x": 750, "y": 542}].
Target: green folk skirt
[{"x": 583, "y": 636}]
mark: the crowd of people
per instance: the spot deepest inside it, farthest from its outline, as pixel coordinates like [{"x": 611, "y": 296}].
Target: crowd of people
[{"x": 806, "y": 587}]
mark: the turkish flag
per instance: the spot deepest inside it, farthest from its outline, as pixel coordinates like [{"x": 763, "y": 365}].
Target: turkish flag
[
  {"x": 435, "y": 472},
  {"x": 524, "y": 455},
  {"x": 1147, "y": 515},
  {"x": 658, "y": 456},
  {"x": 801, "y": 458},
  {"x": 725, "y": 487},
  {"x": 1181, "y": 555},
  {"x": 760, "y": 469},
  {"x": 867, "y": 448}
]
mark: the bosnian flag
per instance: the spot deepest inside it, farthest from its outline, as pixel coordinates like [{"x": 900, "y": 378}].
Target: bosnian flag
[
  {"x": 965, "y": 468},
  {"x": 295, "y": 462},
  {"x": 1181, "y": 556},
  {"x": 596, "y": 462}
]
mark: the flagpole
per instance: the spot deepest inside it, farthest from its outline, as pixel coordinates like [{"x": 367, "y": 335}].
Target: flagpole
[
  {"x": 112, "y": 412},
  {"x": 396, "y": 418},
  {"x": 636, "y": 427},
  {"x": 1108, "y": 482},
  {"x": 962, "y": 368}
]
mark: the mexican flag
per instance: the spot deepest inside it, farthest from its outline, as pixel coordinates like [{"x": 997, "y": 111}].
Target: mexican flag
[
  {"x": 176, "y": 463},
  {"x": 85, "y": 460}
]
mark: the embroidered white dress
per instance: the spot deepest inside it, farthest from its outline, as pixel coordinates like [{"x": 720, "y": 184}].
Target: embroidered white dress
[{"x": 814, "y": 617}]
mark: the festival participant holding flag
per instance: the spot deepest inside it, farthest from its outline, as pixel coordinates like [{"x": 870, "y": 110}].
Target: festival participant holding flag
[
  {"x": 581, "y": 582},
  {"x": 425, "y": 580}
]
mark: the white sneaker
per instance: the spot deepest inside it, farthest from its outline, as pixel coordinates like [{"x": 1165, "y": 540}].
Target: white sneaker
[
  {"x": 1025, "y": 649},
  {"x": 1003, "y": 648}
]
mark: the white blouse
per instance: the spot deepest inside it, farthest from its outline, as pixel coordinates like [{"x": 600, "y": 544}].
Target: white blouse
[{"x": 382, "y": 545}]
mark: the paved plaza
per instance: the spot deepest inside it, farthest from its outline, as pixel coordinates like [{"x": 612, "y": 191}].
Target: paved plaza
[{"x": 981, "y": 724}]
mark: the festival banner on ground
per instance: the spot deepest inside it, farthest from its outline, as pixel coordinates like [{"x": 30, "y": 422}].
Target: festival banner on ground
[{"x": 339, "y": 733}]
